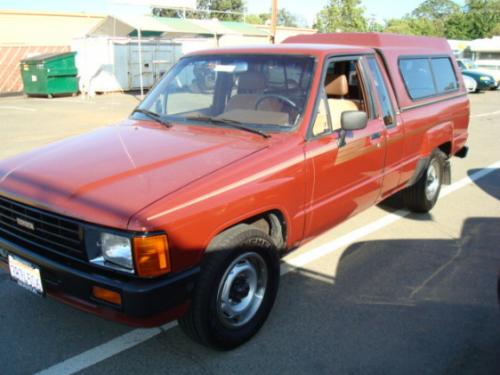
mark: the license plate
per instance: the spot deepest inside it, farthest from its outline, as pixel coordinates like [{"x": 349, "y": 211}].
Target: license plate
[{"x": 25, "y": 274}]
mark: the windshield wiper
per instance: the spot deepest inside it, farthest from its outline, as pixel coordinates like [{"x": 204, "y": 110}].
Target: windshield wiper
[
  {"x": 153, "y": 115},
  {"x": 225, "y": 121}
]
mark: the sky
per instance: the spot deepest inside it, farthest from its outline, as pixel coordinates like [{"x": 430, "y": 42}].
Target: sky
[{"x": 379, "y": 9}]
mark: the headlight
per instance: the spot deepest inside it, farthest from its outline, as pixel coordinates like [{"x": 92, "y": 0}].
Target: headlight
[
  {"x": 117, "y": 250},
  {"x": 484, "y": 78}
]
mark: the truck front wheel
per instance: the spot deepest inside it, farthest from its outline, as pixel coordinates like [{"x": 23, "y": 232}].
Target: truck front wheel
[
  {"x": 423, "y": 195},
  {"x": 236, "y": 289}
]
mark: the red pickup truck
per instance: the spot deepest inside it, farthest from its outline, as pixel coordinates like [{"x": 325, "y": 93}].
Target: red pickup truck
[{"x": 235, "y": 157}]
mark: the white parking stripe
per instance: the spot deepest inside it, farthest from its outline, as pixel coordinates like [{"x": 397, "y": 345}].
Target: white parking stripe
[
  {"x": 17, "y": 108},
  {"x": 104, "y": 351},
  {"x": 487, "y": 114},
  {"x": 138, "y": 336}
]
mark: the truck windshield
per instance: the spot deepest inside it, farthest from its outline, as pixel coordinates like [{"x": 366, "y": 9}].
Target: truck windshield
[{"x": 265, "y": 92}]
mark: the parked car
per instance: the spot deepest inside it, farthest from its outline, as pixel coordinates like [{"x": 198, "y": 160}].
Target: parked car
[
  {"x": 470, "y": 83},
  {"x": 484, "y": 80},
  {"x": 491, "y": 67},
  {"x": 183, "y": 210}
]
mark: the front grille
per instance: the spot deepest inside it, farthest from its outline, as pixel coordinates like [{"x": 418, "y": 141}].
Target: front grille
[{"x": 40, "y": 230}]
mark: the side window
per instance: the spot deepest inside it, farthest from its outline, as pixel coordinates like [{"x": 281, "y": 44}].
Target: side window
[
  {"x": 383, "y": 94},
  {"x": 321, "y": 123},
  {"x": 445, "y": 76},
  {"x": 417, "y": 77},
  {"x": 344, "y": 89}
]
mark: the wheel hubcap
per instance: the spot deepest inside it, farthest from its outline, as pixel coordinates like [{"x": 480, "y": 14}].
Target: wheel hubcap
[
  {"x": 241, "y": 290},
  {"x": 432, "y": 181}
]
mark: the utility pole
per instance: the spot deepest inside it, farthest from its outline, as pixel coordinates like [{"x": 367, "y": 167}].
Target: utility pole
[{"x": 274, "y": 16}]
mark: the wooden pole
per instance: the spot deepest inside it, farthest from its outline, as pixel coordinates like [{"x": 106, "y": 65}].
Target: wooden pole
[{"x": 274, "y": 16}]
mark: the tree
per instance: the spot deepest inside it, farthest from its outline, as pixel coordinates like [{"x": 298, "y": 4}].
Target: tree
[
  {"x": 477, "y": 19},
  {"x": 483, "y": 16},
  {"x": 236, "y": 6},
  {"x": 285, "y": 18},
  {"x": 457, "y": 26},
  {"x": 341, "y": 15},
  {"x": 495, "y": 31},
  {"x": 413, "y": 26},
  {"x": 257, "y": 19},
  {"x": 435, "y": 9}
]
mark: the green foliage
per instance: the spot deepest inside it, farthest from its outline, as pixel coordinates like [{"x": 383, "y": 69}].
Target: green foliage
[
  {"x": 435, "y": 9},
  {"x": 257, "y": 19},
  {"x": 477, "y": 19},
  {"x": 341, "y": 15},
  {"x": 457, "y": 26},
  {"x": 228, "y": 5},
  {"x": 285, "y": 18},
  {"x": 495, "y": 31},
  {"x": 414, "y": 26},
  {"x": 482, "y": 17},
  {"x": 237, "y": 6}
]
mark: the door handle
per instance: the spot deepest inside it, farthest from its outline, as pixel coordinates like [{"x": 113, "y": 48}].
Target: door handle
[{"x": 375, "y": 139}]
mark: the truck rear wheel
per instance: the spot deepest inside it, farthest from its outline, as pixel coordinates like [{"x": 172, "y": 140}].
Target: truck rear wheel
[
  {"x": 423, "y": 195},
  {"x": 236, "y": 289}
]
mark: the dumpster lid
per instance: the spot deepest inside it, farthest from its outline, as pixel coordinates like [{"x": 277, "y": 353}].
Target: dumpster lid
[{"x": 47, "y": 56}]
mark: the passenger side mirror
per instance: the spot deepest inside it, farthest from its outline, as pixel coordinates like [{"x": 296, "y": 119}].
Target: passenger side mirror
[
  {"x": 353, "y": 120},
  {"x": 349, "y": 121}
]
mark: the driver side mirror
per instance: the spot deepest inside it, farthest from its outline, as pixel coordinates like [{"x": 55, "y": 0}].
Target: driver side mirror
[{"x": 349, "y": 121}]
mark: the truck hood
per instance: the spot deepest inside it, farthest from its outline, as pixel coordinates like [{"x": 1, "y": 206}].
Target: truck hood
[{"x": 106, "y": 176}]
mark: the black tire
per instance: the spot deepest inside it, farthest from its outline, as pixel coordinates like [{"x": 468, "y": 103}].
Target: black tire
[
  {"x": 204, "y": 321},
  {"x": 418, "y": 197}
]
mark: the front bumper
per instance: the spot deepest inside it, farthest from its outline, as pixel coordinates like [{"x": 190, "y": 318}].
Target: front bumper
[{"x": 145, "y": 302}]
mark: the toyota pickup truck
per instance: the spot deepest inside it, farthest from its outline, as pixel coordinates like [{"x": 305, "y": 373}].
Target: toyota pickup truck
[{"x": 237, "y": 156}]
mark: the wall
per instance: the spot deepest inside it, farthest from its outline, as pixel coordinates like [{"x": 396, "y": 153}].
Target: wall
[
  {"x": 25, "y": 34},
  {"x": 10, "y": 77}
]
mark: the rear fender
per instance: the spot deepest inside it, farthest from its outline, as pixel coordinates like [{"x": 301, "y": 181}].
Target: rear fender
[{"x": 435, "y": 137}]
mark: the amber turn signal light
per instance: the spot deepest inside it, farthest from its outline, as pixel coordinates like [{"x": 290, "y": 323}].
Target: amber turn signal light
[
  {"x": 151, "y": 256},
  {"x": 107, "y": 295}
]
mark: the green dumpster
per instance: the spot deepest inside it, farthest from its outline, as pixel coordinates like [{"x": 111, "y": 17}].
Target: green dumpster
[{"x": 50, "y": 74}]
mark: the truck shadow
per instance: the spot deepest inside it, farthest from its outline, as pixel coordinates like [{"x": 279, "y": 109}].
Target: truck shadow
[
  {"x": 490, "y": 183},
  {"x": 388, "y": 307}
]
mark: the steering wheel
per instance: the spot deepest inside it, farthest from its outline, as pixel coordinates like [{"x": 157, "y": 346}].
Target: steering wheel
[{"x": 284, "y": 99}]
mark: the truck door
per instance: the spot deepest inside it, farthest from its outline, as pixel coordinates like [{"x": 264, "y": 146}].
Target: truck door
[
  {"x": 344, "y": 178},
  {"x": 394, "y": 129}
]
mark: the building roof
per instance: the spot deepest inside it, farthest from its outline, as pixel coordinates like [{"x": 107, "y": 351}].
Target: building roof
[
  {"x": 486, "y": 45},
  {"x": 183, "y": 25},
  {"x": 166, "y": 26}
]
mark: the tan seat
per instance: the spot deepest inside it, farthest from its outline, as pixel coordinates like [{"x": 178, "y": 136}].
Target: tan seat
[
  {"x": 336, "y": 89},
  {"x": 251, "y": 86}
]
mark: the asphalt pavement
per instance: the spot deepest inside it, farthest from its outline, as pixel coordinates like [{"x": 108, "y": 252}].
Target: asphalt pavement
[{"x": 387, "y": 292}]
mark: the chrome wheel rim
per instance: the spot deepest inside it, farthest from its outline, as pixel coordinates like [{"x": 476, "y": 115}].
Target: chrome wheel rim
[
  {"x": 242, "y": 290},
  {"x": 432, "y": 181}
]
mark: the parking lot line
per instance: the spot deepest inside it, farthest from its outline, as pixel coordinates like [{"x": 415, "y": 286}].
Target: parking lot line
[
  {"x": 487, "y": 114},
  {"x": 58, "y": 100},
  {"x": 17, "y": 108},
  {"x": 138, "y": 336},
  {"x": 104, "y": 351}
]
